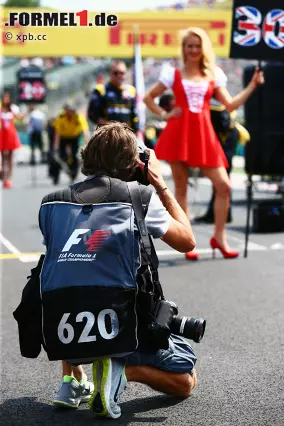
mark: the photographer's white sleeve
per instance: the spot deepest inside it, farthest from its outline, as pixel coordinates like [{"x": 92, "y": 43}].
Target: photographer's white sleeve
[{"x": 157, "y": 218}]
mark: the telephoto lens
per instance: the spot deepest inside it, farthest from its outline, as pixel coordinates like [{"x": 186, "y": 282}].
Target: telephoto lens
[{"x": 191, "y": 328}]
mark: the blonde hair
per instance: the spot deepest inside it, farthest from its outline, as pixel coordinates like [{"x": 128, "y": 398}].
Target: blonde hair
[{"x": 207, "y": 63}]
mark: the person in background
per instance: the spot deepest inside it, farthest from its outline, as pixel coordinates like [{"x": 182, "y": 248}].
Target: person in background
[
  {"x": 114, "y": 101},
  {"x": 188, "y": 139},
  {"x": 50, "y": 133},
  {"x": 53, "y": 166},
  {"x": 9, "y": 139},
  {"x": 69, "y": 126},
  {"x": 167, "y": 102},
  {"x": 36, "y": 124},
  {"x": 24, "y": 62}
]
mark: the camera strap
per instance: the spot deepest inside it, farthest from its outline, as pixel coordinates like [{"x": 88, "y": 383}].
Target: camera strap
[
  {"x": 148, "y": 246},
  {"x": 147, "y": 158},
  {"x": 138, "y": 210}
]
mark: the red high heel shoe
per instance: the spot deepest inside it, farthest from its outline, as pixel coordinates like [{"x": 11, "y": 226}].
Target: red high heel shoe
[
  {"x": 7, "y": 184},
  {"x": 226, "y": 254},
  {"x": 192, "y": 256}
]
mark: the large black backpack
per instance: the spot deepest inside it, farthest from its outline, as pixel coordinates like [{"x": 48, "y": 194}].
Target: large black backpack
[{"x": 98, "y": 190}]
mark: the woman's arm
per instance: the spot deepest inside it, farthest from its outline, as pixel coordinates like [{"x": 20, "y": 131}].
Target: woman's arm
[
  {"x": 157, "y": 90},
  {"x": 19, "y": 116},
  {"x": 17, "y": 113},
  {"x": 232, "y": 103}
]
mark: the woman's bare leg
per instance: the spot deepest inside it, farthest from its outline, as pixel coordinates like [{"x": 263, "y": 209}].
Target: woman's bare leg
[
  {"x": 3, "y": 159},
  {"x": 221, "y": 183},
  {"x": 180, "y": 177},
  {"x": 10, "y": 165}
]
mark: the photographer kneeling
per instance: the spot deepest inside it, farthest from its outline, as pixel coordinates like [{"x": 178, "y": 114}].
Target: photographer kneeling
[{"x": 110, "y": 159}]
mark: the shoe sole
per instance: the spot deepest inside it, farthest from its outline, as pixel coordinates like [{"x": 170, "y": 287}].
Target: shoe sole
[
  {"x": 85, "y": 398},
  {"x": 65, "y": 404},
  {"x": 99, "y": 402}
]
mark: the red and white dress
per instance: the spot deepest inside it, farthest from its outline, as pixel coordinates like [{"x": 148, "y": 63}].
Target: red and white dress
[
  {"x": 190, "y": 138},
  {"x": 9, "y": 139}
]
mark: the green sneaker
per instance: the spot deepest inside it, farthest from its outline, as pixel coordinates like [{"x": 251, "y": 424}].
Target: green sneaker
[
  {"x": 109, "y": 382},
  {"x": 72, "y": 393}
]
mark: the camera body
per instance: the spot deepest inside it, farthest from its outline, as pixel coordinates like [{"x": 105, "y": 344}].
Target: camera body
[
  {"x": 166, "y": 321},
  {"x": 144, "y": 157}
]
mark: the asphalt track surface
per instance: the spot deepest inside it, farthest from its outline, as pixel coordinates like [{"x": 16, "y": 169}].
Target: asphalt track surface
[{"x": 240, "y": 360}]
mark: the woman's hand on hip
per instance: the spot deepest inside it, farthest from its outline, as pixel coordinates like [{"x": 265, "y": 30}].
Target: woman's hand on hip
[{"x": 176, "y": 112}]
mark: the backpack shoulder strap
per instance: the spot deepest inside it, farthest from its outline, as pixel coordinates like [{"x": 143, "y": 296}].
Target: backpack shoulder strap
[
  {"x": 146, "y": 240},
  {"x": 65, "y": 195},
  {"x": 135, "y": 196},
  {"x": 146, "y": 194}
]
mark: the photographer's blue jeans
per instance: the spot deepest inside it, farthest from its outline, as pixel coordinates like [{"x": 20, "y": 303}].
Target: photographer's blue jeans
[{"x": 179, "y": 358}]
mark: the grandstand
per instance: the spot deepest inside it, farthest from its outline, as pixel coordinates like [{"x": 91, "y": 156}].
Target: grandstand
[{"x": 213, "y": 4}]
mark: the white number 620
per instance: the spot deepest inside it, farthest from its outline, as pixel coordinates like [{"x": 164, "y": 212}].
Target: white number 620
[{"x": 66, "y": 333}]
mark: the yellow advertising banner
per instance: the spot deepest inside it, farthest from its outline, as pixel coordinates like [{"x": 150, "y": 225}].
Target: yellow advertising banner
[{"x": 46, "y": 32}]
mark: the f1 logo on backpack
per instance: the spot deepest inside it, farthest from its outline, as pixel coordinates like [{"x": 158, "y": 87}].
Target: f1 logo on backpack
[{"x": 94, "y": 242}]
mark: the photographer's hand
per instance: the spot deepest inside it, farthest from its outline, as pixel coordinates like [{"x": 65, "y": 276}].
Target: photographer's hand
[{"x": 154, "y": 170}]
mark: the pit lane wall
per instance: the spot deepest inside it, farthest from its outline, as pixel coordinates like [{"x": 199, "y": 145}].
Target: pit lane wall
[{"x": 160, "y": 33}]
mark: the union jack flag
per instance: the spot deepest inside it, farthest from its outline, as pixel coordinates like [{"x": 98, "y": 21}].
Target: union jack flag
[
  {"x": 274, "y": 38},
  {"x": 250, "y": 26}
]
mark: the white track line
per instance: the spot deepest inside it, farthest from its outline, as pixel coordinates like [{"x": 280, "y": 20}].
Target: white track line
[
  {"x": 240, "y": 241},
  {"x": 33, "y": 257},
  {"x": 12, "y": 249},
  {"x": 251, "y": 247},
  {"x": 29, "y": 258},
  {"x": 9, "y": 246},
  {"x": 277, "y": 246}
]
